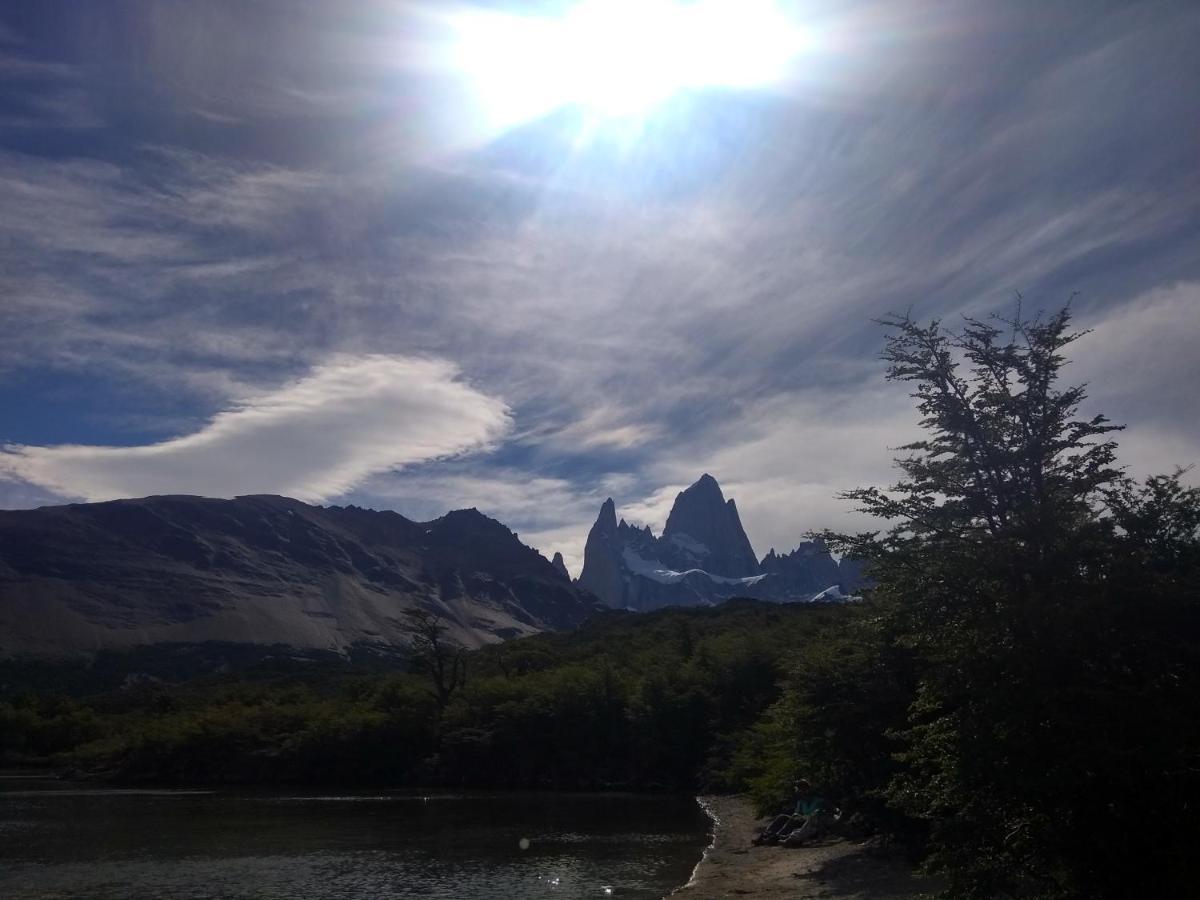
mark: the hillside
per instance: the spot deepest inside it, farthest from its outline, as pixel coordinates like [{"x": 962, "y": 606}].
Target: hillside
[{"x": 82, "y": 578}]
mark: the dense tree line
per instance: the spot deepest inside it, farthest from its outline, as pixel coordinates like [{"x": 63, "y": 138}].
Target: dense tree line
[{"x": 628, "y": 701}]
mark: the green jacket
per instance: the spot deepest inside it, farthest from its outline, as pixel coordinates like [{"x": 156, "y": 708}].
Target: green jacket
[{"x": 808, "y": 807}]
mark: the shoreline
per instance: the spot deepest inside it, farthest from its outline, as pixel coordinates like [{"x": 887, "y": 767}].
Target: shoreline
[{"x": 827, "y": 868}]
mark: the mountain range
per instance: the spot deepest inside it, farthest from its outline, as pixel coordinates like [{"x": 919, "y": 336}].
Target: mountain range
[
  {"x": 703, "y": 557},
  {"x": 83, "y": 578},
  {"x": 78, "y": 579}
]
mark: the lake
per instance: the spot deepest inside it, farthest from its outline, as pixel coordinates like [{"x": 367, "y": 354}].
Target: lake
[{"x": 64, "y": 840}]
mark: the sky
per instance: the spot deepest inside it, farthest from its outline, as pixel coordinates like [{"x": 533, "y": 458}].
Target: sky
[{"x": 416, "y": 256}]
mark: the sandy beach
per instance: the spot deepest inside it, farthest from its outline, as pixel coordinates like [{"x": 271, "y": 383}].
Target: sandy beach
[{"x": 829, "y": 868}]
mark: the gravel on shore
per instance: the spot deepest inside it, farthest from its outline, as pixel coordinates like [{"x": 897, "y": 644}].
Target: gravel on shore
[{"x": 829, "y": 868}]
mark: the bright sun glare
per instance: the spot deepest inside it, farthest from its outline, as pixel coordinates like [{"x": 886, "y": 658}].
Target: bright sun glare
[{"x": 619, "y": 58}]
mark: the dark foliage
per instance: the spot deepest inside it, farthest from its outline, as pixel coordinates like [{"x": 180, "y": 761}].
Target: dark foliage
[
  {"x": 1021, "y": 686},
  {"x": 648, "y": 702}
]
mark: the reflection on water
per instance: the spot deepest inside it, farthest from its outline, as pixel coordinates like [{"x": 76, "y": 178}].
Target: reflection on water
[{"x": 59, "y": 841}]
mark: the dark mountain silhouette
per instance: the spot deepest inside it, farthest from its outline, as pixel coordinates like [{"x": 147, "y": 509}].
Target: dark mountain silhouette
[
  {"x": 705, "y": 528},
  {"x": 265, "y": 570}
]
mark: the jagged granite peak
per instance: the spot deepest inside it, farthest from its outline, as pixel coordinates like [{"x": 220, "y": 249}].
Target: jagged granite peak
[
  {"x": 559, "y": 566},
  {"x": 606, "y": 522},
  {"x": 809, "y": 568},
  {"x": 705, "y": 525},
  {"x": 601, "y": 572},
  {"x": 703, "y": 557},
  {"x": 263, "y": 569}
]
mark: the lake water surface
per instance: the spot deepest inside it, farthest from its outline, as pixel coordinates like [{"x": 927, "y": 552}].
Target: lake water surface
[{"x": 63, "y": 840}]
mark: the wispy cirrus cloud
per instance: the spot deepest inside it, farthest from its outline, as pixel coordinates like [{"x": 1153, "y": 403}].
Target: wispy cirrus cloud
[
  {"x": 314, "y": 438},
  {"x": 698, "y": 298},
  {"x": 1142, "y": 371},
  {"x": 600, "y": 427}
]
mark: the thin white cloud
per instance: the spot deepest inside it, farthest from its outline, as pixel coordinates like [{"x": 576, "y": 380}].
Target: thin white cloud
[
  {"x": 1142, "y": 354},
  {"x": 312, "y": 439},
  {"x": 1142, "y": 369},
  {"x": 16, "y": 66},
  {"x": 603, "y": 426}
]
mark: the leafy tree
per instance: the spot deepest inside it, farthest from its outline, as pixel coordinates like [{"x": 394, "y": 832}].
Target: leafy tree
[
  {"x": 438, "y": 656},
  {"x": 1042, "y": 609}
]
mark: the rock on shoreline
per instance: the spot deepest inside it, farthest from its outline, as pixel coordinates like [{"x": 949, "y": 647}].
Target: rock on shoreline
[{"x": 831, "y": 869}]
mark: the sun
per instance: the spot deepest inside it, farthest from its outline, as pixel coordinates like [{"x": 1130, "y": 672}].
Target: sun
[{"x": 619, "y": 59}]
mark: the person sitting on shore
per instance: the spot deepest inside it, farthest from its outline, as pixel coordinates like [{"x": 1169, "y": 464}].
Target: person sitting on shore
[{"x": 803, "y": 822}]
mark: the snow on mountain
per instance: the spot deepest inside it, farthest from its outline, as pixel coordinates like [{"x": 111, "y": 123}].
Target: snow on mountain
[
  {"x": 663, "y": 575},
  {"x": 830, "y": 594},
  {"x": 702, "y": 557}
]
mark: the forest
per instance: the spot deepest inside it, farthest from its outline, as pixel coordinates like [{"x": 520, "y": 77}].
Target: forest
[
  {"x": 628, "y": 701},
  {"x": 1015, "y": 700}
]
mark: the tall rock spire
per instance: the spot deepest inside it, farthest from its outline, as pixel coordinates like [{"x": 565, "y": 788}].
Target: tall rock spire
[
  {"x": 607, "y": 520},
  {"x": 707, "y": 527},
  {"x": 601, "y": 572}
]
